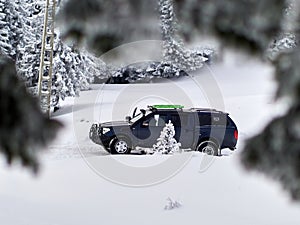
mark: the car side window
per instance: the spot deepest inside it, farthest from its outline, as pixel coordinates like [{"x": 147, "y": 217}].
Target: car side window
[
  {"x": 219, "y": 120},
  {"x": 179, "y": 119},
  {"x": 207, "y": 119},
  {"x": 204, "y": 119},
  {"x": 155, "y": 120}
]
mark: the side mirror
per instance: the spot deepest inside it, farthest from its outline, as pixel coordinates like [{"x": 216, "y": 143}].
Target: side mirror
[{"x": 128, "y": 118}]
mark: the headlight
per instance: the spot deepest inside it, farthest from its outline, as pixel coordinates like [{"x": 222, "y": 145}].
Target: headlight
[{"x": 105, "y": 130}]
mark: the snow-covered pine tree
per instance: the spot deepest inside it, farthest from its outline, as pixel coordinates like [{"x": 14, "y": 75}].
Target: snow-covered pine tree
[
  {"x": 173, "y": 47},
  {"x": 166, "y": 143},
  {"x": 30, "y": 51},
  {"x": 286, "y": 39},
  {"x": 10, "y": 28},
  {"x": 144, "y": 72},
  {"x": 65, "y": 82},
  {"x": 29, "y": 47},
  {"x": 283, "y": 43},
  {"x": 73, "y": 70}
]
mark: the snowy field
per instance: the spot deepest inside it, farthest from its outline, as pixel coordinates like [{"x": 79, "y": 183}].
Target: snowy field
[{"x": 81, "y": 184}]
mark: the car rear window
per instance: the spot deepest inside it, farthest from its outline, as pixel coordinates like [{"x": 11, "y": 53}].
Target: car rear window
[{"x": 207, "y": 119}]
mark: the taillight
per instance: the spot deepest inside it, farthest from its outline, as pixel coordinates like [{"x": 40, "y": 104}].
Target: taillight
[{"x": 236, "y": 134}]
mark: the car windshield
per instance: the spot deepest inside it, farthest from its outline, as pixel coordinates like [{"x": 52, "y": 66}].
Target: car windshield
[{"x": 138, "y": 116}]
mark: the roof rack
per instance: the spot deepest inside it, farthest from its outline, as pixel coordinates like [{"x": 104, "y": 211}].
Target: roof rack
[
  {"x": 203, "y": 109},
  {"x": 207, "y": 110},
  {"x": 165, "y": 106}
]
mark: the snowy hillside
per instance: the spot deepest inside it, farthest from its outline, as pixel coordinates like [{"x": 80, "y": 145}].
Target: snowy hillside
[{"x": 81, "y": 184}]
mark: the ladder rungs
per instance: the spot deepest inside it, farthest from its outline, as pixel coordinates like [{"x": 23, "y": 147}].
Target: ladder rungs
[
  {"x": 45, "y": 92},
  {"x": 51, "y": 17},
  {"x": 46, "y": 78},
  {"x": 48, "y": 47},
  {"x": 47, "y": 63},
  {"x": 50, "y": 23}
]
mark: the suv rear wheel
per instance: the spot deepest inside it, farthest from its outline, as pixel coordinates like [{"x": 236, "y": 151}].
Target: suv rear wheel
[
  {"x": 208, "y": 147},
  {"x": 120, "y": 145}
]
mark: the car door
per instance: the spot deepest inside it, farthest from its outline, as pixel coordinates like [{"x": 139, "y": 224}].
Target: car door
[
  {"x": 212, "y": 125},
  {"x": 184, "y": 128},
  {"x": 150, "y": 127}
]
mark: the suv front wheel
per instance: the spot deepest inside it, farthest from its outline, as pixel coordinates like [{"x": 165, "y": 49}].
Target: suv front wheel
[
  {"x": 120, "y": 145},
  {"x": 208, "y": 147}
]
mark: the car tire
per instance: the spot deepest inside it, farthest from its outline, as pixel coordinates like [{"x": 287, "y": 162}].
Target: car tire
[
  {"x": 209, "y": 147},
  {"x": 120, "y": 145}
]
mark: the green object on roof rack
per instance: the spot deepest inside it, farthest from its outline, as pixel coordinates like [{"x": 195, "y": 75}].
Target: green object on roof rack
[{"x": 168, "y": 106}]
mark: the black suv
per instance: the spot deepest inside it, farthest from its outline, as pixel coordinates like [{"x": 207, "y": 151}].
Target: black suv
[{"x": 206, "y": 130}]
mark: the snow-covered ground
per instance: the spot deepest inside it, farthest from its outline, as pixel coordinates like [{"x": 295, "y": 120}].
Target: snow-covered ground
[{"x": 81, "y": 184}]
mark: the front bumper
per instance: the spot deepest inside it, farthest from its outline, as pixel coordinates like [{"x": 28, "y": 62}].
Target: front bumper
[
  {"x": 97, "y": 136},
  {"x": 95, "y": 133}
]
